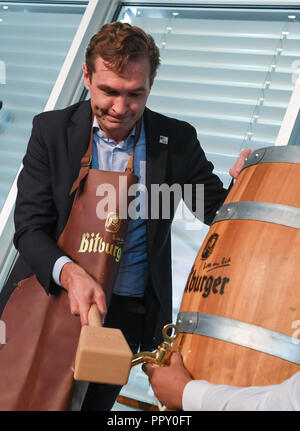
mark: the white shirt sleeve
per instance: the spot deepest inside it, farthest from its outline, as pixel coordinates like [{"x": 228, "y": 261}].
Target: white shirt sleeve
[
  {"x": 58, "y": 266},
  {"x": 204, "y": 396}
]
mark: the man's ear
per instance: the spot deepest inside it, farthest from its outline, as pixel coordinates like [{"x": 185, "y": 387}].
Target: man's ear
[{"x": 86, "y": 77}]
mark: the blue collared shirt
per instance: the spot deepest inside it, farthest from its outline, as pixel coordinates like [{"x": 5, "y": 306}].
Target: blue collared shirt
[
  {"x": 133, "y": 270},
  {"x": 111, "y": 156}
]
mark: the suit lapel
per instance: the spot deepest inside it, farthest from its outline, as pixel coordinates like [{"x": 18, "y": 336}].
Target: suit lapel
[
  {"x": 156, "y": 162},
  {"x": 78, "y": 133}
]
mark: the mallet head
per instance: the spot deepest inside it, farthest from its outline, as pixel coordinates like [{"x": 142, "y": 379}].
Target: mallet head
[{"x": 103, "y": 354}]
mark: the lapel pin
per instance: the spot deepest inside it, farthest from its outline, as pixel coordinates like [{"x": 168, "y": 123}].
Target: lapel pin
[{"x": 163, "y": 139}]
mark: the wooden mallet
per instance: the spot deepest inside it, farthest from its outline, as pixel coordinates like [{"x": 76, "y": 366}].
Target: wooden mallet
[{"x": 103, "y": 355}]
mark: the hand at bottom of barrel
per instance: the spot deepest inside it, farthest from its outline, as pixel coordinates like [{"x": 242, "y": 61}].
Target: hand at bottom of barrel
[{"x": 168, "y": 382}]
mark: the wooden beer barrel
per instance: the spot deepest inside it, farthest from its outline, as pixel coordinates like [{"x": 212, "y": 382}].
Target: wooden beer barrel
[{"x": 240, "y": 309}]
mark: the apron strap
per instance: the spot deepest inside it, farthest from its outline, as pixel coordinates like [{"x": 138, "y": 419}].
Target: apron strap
[
  {"x": 130, "y": 164},
  {"x": 85, "y": 164},
  {"x": 86, "y": 160}
]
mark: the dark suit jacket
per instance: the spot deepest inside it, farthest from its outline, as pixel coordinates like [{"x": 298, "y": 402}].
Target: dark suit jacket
[{"x": 59, "y": 140}]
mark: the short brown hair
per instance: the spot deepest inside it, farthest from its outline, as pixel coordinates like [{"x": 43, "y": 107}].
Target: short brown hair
[{"x": 117, "y": 44}]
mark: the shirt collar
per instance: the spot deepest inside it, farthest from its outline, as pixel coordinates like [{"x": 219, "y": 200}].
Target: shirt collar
[{"x": 102, "y": 135}]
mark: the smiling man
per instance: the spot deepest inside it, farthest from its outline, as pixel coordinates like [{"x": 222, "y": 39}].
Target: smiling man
[{"x": 121, "y": 64}]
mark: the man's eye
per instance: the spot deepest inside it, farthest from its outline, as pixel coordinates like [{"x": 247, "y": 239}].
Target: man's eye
[
  {"x": 135, "y": 94},
  {"x": 111, "y": 93}
]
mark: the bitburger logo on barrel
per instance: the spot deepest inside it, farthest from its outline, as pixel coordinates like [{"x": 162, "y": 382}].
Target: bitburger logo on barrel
[{"x": 209, "y": 246}]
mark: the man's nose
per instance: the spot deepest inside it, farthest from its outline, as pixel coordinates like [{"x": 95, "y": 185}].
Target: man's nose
[{"x": 120, "y": 105}]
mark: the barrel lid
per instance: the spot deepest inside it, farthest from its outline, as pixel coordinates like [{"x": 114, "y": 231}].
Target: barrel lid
[{"x": 275, "y": 154}]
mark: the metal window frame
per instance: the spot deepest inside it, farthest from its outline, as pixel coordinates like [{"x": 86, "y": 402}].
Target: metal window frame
[{"x": 271, "y": 4}]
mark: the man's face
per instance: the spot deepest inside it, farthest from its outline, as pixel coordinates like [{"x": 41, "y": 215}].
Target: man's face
[{"x": 118, "y": 101}]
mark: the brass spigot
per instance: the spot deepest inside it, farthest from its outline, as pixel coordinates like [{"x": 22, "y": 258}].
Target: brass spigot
[{"x": 162, "y": 353}]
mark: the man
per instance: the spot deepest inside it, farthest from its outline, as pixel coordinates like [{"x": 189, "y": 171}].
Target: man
[
  {"x": 176, "y": 389},
  {"x": 121, "y": 63}
]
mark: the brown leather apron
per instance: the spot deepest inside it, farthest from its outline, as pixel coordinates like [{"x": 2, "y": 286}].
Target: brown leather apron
[{"x": 37, "y": 360}]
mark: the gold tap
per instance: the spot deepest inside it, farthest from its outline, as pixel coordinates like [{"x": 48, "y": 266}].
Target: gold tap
[{"x": 162, "y": 353}]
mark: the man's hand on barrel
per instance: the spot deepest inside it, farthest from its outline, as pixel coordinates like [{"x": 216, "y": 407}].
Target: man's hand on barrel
[
  {"x": 83, "y": 291},
  {"x": 239, "y": 164},
  {"x": 168, "y": 382}
]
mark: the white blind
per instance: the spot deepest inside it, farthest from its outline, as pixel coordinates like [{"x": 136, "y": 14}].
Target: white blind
[
  {"x": 34, "y": 40},
  {"x": 214, "y": 71}
]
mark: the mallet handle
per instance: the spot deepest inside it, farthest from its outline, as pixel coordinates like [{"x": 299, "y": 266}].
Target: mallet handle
[{"x": 94, "y": 316}]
